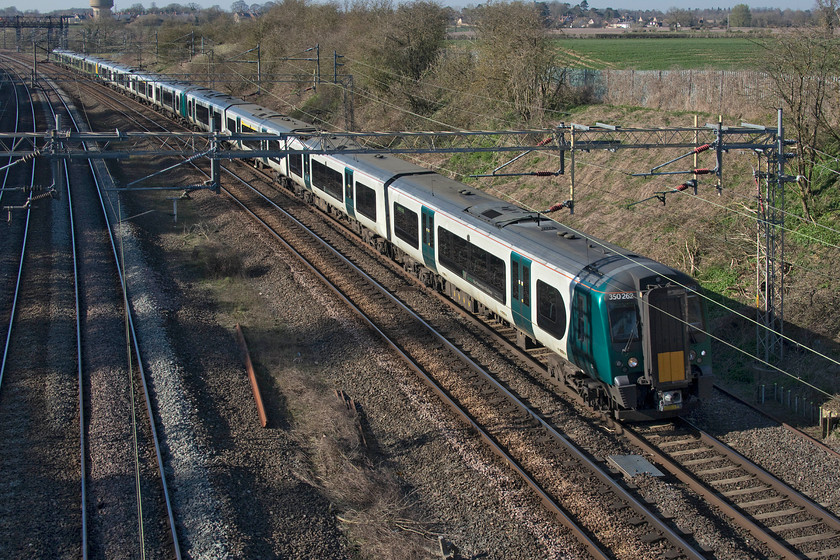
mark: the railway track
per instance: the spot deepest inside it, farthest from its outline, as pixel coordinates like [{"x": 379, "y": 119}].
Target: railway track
[
  {"x": 114, "y": 510},
  {"x": 10, "y": 196},
  {"x": 500, "y": 402},
  {"x": 39, "y": 453},
  {"x": 503, "y": 400},
  {"x": 152, "y": 511},
  {"x": 526, "y": 442},
  {"x": 789, "y": 523}
]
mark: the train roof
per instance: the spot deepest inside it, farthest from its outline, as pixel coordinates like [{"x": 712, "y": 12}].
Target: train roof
[
  {"x": 594, "y": 262},
  {"x": 381, "y": 167},
  {"x": 258, "y": 114},
  {"x": 214, "y": 98}
]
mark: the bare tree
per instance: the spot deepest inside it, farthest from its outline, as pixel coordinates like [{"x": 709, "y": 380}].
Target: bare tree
[
  {"x": 516, "y": 62},
  {"x": 415, "y": 38},
  {"x": 804, "y": 65}
]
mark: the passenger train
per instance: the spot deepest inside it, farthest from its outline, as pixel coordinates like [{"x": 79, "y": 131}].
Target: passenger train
[{"x": 626, "y": 332}]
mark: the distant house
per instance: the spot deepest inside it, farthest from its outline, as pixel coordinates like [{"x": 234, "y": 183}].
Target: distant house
[{"x": 239, "y": 17}]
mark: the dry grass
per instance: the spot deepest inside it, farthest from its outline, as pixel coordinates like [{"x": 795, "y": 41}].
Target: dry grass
[
  {"x": 373, "y": 507},
  {"x": 369, "y": 500}
]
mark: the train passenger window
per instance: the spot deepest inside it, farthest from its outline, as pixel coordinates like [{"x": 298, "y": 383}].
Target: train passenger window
[
  {"x": 365, "y": 201},
  {"x": 167, "y": 98},
  {"x": 250, "y": 144},
  {"x": 202, "y": 114},
  {"x": 624, "y": 322},
  {"x": 277, "y": 145},
  {"x": 551, "y": 310},
  {"x": 696, "y": 326},
  {"x": 328, "y": 180},
  {"x": 475, "y": 265},
  {"x": 296, "y": 164},
  {"x": 406, "y": 225}
]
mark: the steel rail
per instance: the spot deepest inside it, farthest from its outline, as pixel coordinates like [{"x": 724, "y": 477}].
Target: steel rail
[
  {"x": 672, "y": 536},
  {"x": 25, "y": 232},
  {"x": 793, "y": 429},
  {"x": 777, "y": 545},
  {"x": 80, "y": 374},
  {"x": 134, "y": 342}
]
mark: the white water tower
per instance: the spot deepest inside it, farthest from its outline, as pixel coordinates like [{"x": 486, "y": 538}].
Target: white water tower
[{"x": 101, "y": 8}]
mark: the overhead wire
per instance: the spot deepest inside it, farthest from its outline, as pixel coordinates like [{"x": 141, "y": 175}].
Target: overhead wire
[
  {"x": 588, "y": 238},
  {"x": 727, "y": 308},
  {"x": 707, "y": 298}
]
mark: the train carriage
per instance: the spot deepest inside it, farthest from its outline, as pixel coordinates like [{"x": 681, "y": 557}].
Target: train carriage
[
  {"x": 246, "y": 117},
  {"x": 626, "y": 332},
  {"x": 172, "y": 97}
]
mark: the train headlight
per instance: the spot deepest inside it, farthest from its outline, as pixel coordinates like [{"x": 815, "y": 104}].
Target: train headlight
[
  {"x": 632, "y": 362},
  {"x": 671, "y": 397},
  {"x": 692, "y": 355}
]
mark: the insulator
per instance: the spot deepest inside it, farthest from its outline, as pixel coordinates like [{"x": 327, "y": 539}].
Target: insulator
[
  {"x": 702, "y": 171},
  {"x": 544, "y": 142},
  {"x": 559, "y": 206},
  {"x": 702, "y": 148},
  {"x": 542, "y": 173},
  {"x": 41, "y": 196},
  {"x": 683, "y": 187}
]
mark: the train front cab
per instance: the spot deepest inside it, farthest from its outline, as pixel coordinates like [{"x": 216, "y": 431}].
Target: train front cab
[{"x": 658, "y": 353}]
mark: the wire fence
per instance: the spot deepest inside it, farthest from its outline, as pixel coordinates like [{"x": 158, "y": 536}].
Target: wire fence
[{"x": 743, "y": 93}]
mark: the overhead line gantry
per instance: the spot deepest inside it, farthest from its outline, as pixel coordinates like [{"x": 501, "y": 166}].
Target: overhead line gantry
[{"x": 767, "y": 142}]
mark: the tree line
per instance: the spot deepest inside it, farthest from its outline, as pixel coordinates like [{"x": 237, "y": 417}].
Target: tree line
[{"x": 407, "y": 74}]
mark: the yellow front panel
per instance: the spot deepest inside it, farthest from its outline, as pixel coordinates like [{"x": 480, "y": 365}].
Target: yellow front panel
[{"x": 671, "y": 366}]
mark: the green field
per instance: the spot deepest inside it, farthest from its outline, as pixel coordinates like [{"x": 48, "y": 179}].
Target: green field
[{"x": 662, "y": 53}]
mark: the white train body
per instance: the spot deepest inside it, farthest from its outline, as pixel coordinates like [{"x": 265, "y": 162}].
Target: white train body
[{"x": 558, "y": 288}]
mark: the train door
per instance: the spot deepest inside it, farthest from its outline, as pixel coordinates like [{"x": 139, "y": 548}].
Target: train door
[
  {"x": 348, "y": 192},
  {"x": 520, "y": 293},
  {"x": 427, "y": 226},
  {"x": 664, "y": 317},
  {"x": 580, "y": 343},
  {"x": 307, "y": 180}
]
